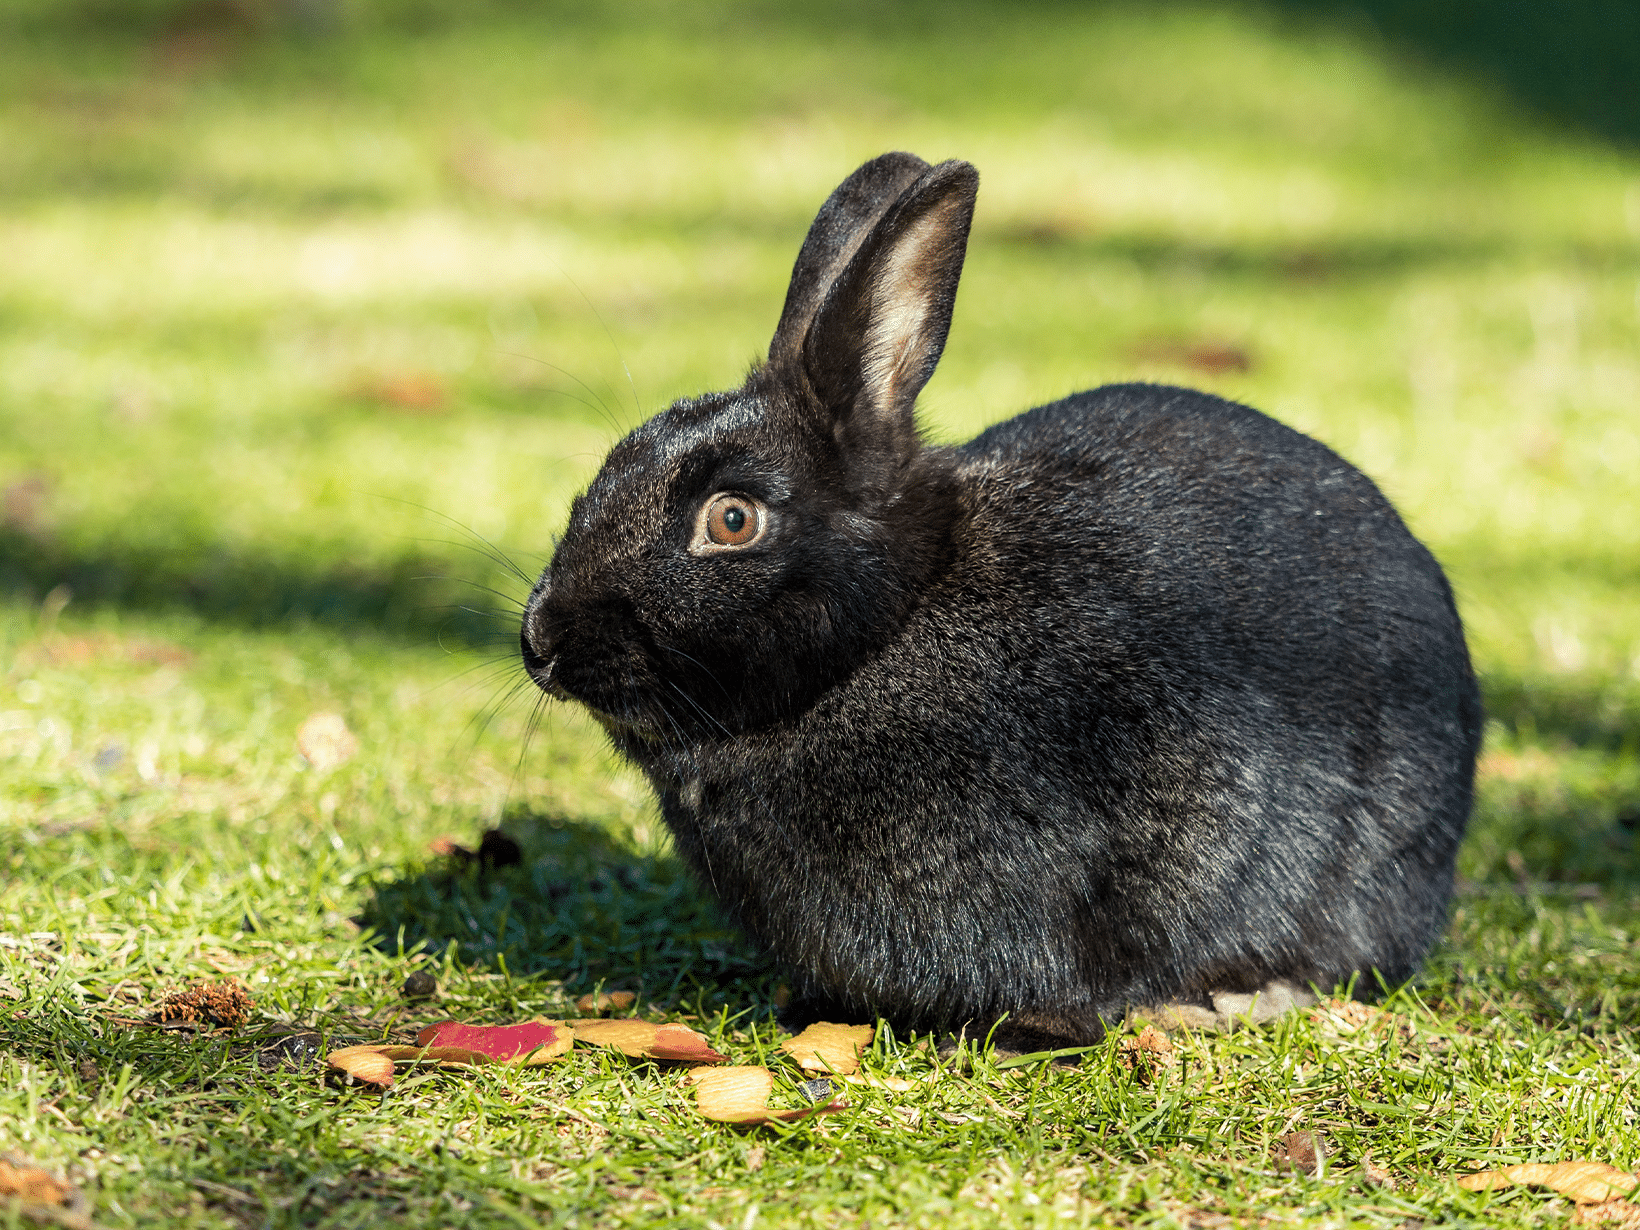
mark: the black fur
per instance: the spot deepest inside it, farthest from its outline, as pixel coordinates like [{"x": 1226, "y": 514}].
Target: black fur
[{"x": 1137, "y": 696}]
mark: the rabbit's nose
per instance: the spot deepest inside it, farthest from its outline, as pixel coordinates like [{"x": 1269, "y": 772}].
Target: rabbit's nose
[{"x": 536, "y": 643}]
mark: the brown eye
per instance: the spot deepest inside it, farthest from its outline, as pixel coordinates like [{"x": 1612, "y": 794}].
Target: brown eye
[{"x": 731, "y": 521}]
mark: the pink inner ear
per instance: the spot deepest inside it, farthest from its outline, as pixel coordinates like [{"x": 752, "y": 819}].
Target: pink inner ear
[{"x": 902, "y": 302}]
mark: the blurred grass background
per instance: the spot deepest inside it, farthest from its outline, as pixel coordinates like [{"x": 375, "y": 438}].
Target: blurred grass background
[
  {"x": 298, "y": 296},
  {"x": 295, "y": 293}
]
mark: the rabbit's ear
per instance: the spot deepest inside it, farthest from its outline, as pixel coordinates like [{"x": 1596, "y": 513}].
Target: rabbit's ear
[
  {"x": 843, "y": 221},
  {"x": 879, "y": 332}
]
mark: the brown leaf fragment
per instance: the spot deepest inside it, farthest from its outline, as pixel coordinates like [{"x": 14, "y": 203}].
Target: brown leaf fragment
[
  {"x": 646, "y": 1040},
  {"x": 325, "y": 741},
  {"x": 22, "y": 1181},
  {"x": 31, "y": 1195},
  {"x": 680, "y": 1043},
  {"x": 1375, "y": 1174},
  {"x": 740, "y": 1095},
  {"x": 414, "y": 392},
  {"x": 629, "y": 1036},
  {"x": 365, "y": 1064},
  {"x": 1585, "y": 1182},
  {"x": 23, "y": 503},
  {"x": 1303, "y": 1151},
  {"x": 897, "y": 1084},
  {"x": 824, "y": 1047},
  {"x": 1620, "y": 1214},
  {"x": 1145, "y": 1052},
  {"x": 225, "y": 1004},
  {"x": 1203, "y": 355},
  {"x": 1149, "y": 1039},
  {"x": 754, "y": 1157},
  {"x": 603, "y": 1001}
]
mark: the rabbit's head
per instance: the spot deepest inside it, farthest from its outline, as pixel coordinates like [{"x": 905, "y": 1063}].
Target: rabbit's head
[{"x": 741, "y": 551}]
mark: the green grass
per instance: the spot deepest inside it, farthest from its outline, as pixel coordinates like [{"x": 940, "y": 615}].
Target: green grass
[{"x": 285, "y": 317}]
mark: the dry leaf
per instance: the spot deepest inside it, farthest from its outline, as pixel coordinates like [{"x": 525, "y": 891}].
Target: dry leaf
[
  {"x": 1149, "y": 1039},
  {"x": 1212, "y": 357},
  {"x": 629, "y": 1036},
  {"x": 1613, "y": 1214},
  {"x": 1146, "y": 1051},
  {"x": 1375, "y": 1174},
  {"x": 1305, "y": 1151},
  {"x": 896, "y": 1083},
  {"x": 645, "y": 1040},
  {"x": 415, "y": 392},
  {"x": 325, "y": 741},
  {"x": 366, "y": 1064},
  {"x": 741, "y": 1095},
  {"x": 32, "y": 1195},
  {"x": 532, "y": 1043},
  {"x": 824, "y": 1047},
  {"x": 1584, "y": 1182},
  {"x": 620, "y": 1001},
  {"x": 679, "y": 1042}
]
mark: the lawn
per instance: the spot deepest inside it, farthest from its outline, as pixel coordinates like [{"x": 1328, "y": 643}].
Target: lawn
[{"x": 304, "y": 308}]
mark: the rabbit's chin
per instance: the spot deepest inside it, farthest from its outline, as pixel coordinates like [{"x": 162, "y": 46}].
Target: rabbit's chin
[{"x": 623, "y": 732}]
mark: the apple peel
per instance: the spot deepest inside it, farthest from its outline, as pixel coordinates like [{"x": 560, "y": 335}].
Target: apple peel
[{"x": 534, "y": 1042}]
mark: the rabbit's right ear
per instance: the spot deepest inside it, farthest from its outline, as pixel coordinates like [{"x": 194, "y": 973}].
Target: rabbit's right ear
[
  {"x": 843, "y": 221},
  {"x": 878, "y": 333}
]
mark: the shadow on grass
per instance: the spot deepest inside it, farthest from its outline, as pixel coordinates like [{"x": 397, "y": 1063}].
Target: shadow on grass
[
  {"x": 1560, "y": 801},
  {"x": 415, "y": 597},
  {"x": 581, "y": 907},
  {"x": 1591, "y": 713},
  {"x": 1574, "y": 61}
]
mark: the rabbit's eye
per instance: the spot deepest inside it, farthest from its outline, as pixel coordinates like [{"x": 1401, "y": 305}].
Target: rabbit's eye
[{"x": 730, "y": 521}]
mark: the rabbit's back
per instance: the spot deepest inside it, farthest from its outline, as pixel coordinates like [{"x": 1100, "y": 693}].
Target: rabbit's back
[{"x": 1189, "y": 711}]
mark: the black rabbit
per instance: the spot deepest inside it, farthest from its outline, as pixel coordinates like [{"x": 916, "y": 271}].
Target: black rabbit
[{"x": 1138, "y": 697}]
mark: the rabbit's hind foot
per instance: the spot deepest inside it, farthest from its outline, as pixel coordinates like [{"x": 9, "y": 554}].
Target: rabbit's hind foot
[{"x": 1225, "y": 1010}]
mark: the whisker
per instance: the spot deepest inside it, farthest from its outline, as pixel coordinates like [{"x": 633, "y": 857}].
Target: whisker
[
  {"x": 486, "y": 548},
  {"x": 532, "y": 724},
  {"x": 637, "y": 404},
  {"x": 598, "y": 405}
]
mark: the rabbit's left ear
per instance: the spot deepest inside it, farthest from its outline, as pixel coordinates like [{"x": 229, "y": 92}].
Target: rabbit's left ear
[
  {"x": 881, "y": 327},
  {"x": 842, "y": 223}
]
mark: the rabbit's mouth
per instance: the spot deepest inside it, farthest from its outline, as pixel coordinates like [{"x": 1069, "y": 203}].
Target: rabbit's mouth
[
  {"x": 546, "y": 674},
  {"x": 542, "y": 670}
]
